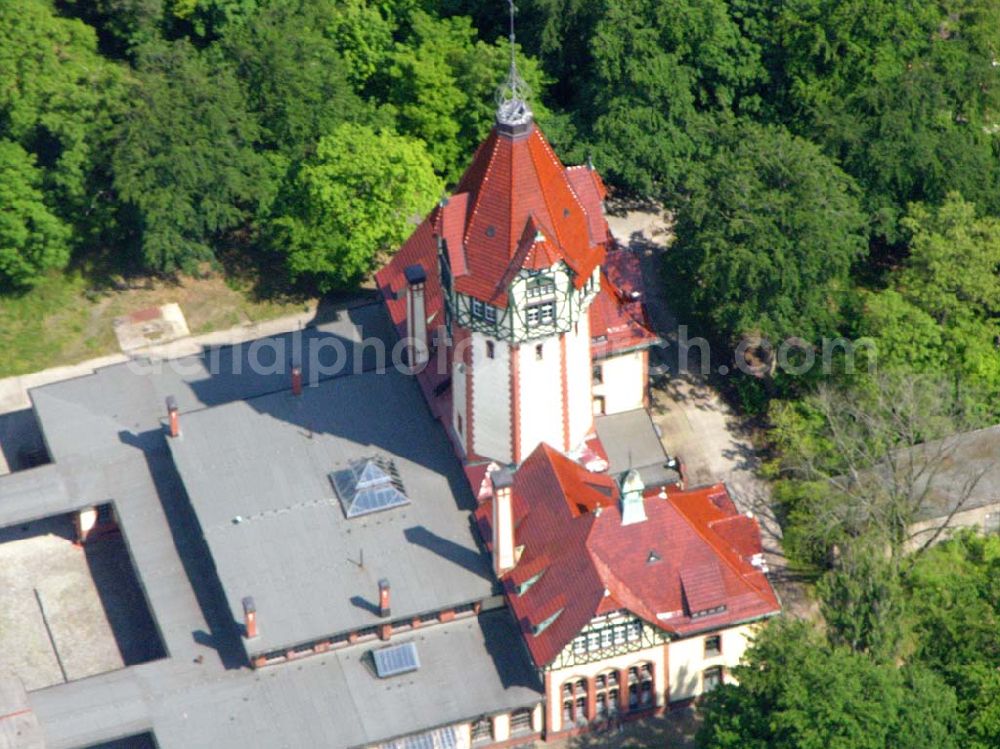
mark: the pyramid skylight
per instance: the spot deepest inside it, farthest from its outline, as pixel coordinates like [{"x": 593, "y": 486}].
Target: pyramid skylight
[{"x": 367, "y": 486}]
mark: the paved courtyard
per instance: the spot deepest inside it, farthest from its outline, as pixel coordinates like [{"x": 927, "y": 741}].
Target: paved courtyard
[{"x": 65, "y": 612}]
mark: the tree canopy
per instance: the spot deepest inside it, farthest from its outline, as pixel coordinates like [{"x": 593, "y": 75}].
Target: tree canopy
[
  {"x": 187, "y": 184},
  {"x": 32, "y": 239},
  {"x": 361, "y": 194},
  {"x": 767, "y": 235},
  {"x": 59, "y": 101},
  {"x": 797, "y": 692}
]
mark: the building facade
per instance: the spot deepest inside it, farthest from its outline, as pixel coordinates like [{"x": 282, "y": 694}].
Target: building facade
[{"x": 628, "y": 597}]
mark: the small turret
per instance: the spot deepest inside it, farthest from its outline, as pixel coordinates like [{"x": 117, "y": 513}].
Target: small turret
[
  {"x": 514, "y": 116},
  {"x": 632, "y": 489}
]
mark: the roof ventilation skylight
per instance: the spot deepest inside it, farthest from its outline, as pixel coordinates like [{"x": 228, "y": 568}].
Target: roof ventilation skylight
[
  {"x": 396, "y": 659},
  {"x": 367, "y": 486}
]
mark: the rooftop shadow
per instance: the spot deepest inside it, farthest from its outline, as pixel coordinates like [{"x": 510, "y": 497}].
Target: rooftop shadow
[
  {"x": 224, "y": 636},
  {"x": 123, "y": 601}
]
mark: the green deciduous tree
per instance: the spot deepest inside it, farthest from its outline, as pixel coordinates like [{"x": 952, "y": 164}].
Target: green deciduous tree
[
  {"x": 32, "y": 239},
  {"x": 185, "y": 160},
  {"x": 904, "y": 95},
  {"x": 796, "y": 692},
  {"x": 59, "y": 100},
  {"x": 441, "y": 84},
  {"x": 363, "y": 34},
  {"x": 943, "y": 309},
  {"x": 209, "y": 19},
  {"x": 655, "y": 68},
  {"x": 906, "y": 337},
  {"x": 767, "y": 235},
  {"x": 293, "y": 74},
  {"x": 955, "y": 600},
  {"x": 953, "y": 269},
  {"x": 360, "y": 195}
]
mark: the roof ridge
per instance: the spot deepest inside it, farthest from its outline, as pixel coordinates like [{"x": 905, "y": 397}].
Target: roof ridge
[
  {"x": 558, "y": 163},
  {"x": 474, "y": 209},
  {"x": 538, "y": 180}
]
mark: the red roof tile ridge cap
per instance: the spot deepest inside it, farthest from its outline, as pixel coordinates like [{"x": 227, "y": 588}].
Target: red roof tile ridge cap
[
  {"x": 723, "y": 553},
  {"x": 471, "y": 212},
  {"x": 547, "y": 151},
  {"x": 558, "y": 163},
  {"x": 511, "y": 247}
]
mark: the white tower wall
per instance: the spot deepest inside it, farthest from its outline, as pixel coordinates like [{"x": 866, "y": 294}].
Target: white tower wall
[
  {"x": 539, "y": 383},
  {"x": 491, "y": 399},
  {"x": 578, "y": 381},
  {"x": 459, "y": 402}
]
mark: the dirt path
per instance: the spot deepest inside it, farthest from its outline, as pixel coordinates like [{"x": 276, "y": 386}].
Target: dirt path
[{"x": 695, "y": 423}]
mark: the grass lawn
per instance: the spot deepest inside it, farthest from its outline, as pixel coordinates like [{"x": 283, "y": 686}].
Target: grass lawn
[{"x": 64, "y": 321}]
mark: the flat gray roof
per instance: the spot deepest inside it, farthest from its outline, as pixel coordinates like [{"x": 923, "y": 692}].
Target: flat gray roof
[
  {"x": 631, "y": 441},
  {"x": 105, "y": 434},
  {"x": 256, "y": 472},
  {"x": 90, "y": 415},
  {"x": 963, "y": 469},
  {"x": 468, "y": 668}
]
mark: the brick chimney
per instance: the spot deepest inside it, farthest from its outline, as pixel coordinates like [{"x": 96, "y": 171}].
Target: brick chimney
[
  {"x": 250, "y": 617},
  {"x": 416, "y": 315},
  {"x": 173, "y": 416},
  {"x": 384, "y": 629},
  {"x": 384, "y": 609},
  {"x": 503, "y": 521},
  {"x": 296, "y": 377}
]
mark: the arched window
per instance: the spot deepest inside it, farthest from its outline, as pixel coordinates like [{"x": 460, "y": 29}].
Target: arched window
[
  {"x": 606, "y": 694},
  {"x": 574, "y": 702},
  {"x": 640, "y": 686}
]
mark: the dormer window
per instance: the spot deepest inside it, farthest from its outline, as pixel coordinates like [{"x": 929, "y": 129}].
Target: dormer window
[
  {"x": 540, "y": 286},
  {"x": 544, "y": 624},
  {"x": 526, "y": 585},
  {"x": 483, "y": 311}
]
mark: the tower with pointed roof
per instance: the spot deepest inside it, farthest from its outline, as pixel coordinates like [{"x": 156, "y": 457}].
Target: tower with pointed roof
[
  {"x": 512, "y": 284},
  {"x": 520, "y": 266}
]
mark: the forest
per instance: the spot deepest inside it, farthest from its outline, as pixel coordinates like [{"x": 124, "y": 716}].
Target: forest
[{"x": 832, "y": 168}]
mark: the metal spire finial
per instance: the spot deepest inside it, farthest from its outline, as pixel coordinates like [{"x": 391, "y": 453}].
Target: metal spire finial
[{"x": 512, "y": 106}]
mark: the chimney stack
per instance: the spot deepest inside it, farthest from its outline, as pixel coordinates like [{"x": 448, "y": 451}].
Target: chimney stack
[
  {"x": 250, "y": 617},
  {"x": 416, "y": 315},
  {"x": 503, "y": 521},
  {"x": 174, "y": 417},
  {"x": 296, "y": 377},
  {"x": 383, "y": 598},
  {"x": 633, "y": 507}
]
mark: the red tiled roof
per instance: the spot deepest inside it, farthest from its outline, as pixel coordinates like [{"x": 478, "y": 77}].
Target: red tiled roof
[
  {"x": 664, "y": 569},
  {"x": 618, "y": 316},
  {"x": 615, "y": 324},
  {"x": 589, "y": 186},
  {"x": 538, "y": 252},
  {"x": 512, "y": 181}
]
